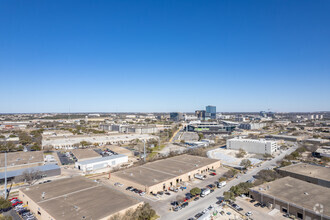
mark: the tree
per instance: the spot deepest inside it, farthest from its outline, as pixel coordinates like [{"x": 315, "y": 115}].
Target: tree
[
  {"x": 267, "y": 156},
  {"x": 228, "y": 195},
  {"x": 36, "y": 147},
  {"x": 29, "y": 176},
  {"x": 24, "y": 138},
  {"x": 195, "y": 191},
  {"x": 242, "y": 188},
  {"x": 230, "y": 173},
  {"x": 285, "y": 163},
  {"x": 145, "y": 212},
  {"x": 200, "y": 136},
  {"x": 245, "y": 163},
  {"x": 4, "y": 204},
  {"x": 241, "y": 153},
  {"x": 267, "y": 175},
  {"x": 221, "y": 179}
]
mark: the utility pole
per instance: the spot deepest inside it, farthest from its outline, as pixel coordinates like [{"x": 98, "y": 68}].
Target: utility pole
[
  {"x": 5, "y": 175},
  {"x": 144, "y": 147}
]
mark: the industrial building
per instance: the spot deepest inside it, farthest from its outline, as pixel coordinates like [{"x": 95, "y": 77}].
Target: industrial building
[
  {"x": 322, "y": 152},
  {"x": 287, "y": 137},
  {"x": 136, "y": 129},
  {"x": 85, "y": 154},
  {"x": 310, "y": 173},
  {"x": 121, "y": 150},
  {"x": 48, "y": 170},
  {"x": 296, "y": 197},
  {"x": 101, "y": 163},
  {"x": 75, "y": 199},
  {"x": 71, "y": 142},
  {"x": 253, "y": 146},
  {"x": 162, "y": 174},
  {"x": 21, "y": 160}
]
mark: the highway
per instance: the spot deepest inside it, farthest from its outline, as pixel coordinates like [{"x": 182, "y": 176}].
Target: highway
[{"x": 200, "y": 205}]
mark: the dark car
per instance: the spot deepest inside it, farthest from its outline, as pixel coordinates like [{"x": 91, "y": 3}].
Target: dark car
[
  {"x": 129, "y": 188},
  {"x": 197, "y": 198},
  {"x": 175, "y": 203},
  {"x": 240, "y": 209},
  {"x": 257, "y": 204},
  {"x": 160, "y": 193},
  {"x": 198, "y": 215},
  {"x": 212, "y": 190},
  {"x": 252, "y": 200},
  {"x": 263, "y": 205},
  {"x": 167, "y": 193},
  {"x": 184, "y": 204}
]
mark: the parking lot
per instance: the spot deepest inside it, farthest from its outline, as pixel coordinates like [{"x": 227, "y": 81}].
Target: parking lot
[
  {"x": 257, "y": 212},
  {"x": 20, "y": 211}
]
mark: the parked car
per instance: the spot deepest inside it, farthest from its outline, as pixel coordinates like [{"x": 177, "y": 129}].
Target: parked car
[
  {"x": 213, "y": 174},
  {"x": 257, "y": 204},
  {"x": 167, "y": 193},
  {"x": 129, "y": 188},
  {"x": 249, "y": 213},
  {"x": 197, "y": 198},
  {"x": 184, "y": 204},
  {"x": 252, "y": 200}
]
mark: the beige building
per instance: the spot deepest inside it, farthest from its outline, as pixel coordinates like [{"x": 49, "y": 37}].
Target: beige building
[
  {"x": 296, "y": 197},
  {"x": 21, "y": 160},
  {"x": 85, "y": 154},
  {"x": 75, "y": 199},
  {"x": 162, "y": 174},
  {"x": 120, "y": 150},
  {"x": 310, "y": 173}
]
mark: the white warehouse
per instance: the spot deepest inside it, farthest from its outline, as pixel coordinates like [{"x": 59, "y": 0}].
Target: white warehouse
[
  {"x": 253, "y": 146},
  {"x": 101, "y": 163}
]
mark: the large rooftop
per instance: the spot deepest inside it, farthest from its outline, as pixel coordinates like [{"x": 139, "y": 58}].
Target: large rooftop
[
  {"x": 21, "y": 158},
  {"x": 162, "y": 170},
  {"x": 82, "y": 154},
  {"x": 298, "y": 192},
  {"x": 305, "y": 169},
  {"x": 73, "y": 198}
]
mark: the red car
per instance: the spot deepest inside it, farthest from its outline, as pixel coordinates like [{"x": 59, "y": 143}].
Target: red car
[
  {"x": 12, "y": 198},
  {"x": 213, "y": 174},
  {"x": 16, "y": 203}
]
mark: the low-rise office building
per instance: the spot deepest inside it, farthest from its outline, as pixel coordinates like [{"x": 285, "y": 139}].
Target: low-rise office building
[
  {"x": 253, "y": 146},
  {"x": 310, "y": 173},
  {"x": 252, "y": 126},
  {"x": 75, "y": 199},
  {"x": 296, "y": 197},
  {"x": 136, "y": 129},
  {"x": 162, "y": 174},
  {"x": 101, "y": 163}
]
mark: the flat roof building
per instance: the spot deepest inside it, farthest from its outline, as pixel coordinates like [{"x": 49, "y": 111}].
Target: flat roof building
[
  {"x": 70, "y": 142},
  {"x": 253, "y": 146},
  {"x": 85, "y": 154},
  {"x": 287, "y": 137},
  {"x": 162, "y": 174},
  {"x": 310, "y": 173},
  {"x": 101, "y": 163},
  {"x": 296, "y": 197},
  {"x": 75, "y": 199},
  {"x": 20, "y": 160}
]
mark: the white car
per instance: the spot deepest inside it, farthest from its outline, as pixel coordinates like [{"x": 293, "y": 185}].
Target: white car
[{"x": 248, "y": 213}]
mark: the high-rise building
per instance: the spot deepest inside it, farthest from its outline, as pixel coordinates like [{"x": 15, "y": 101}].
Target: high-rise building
[
  {"x": 200, "y": 114},
  {"x": 211, "y": 112},
  {"x": 176, "y": 116}
]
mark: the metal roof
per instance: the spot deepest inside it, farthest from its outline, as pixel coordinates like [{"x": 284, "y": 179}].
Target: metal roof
[{"x": 19, "y": 172}]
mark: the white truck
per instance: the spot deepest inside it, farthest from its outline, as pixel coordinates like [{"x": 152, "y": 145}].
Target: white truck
[
  {"x": 198, "y": 176},
  {"x": 222, "y": 184},
  {"x": 205, "y": 192}
]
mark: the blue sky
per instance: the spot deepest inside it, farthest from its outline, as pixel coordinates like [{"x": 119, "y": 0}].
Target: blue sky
[{"x": 159, "y": 56}]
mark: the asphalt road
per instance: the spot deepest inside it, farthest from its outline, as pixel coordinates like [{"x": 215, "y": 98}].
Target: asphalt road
[{"x": 200, "y": 205}]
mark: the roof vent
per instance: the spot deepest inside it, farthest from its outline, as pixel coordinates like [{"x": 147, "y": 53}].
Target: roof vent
[
  {"x": 43, "y": 194},
  {"x": 131, "y": 174},
  {"x": 306, "y": 193}
]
